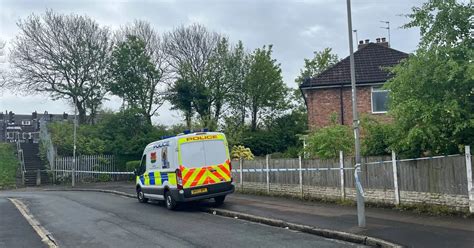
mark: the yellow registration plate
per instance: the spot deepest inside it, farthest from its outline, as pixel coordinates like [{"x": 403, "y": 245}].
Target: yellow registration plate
[{"x": 198, "y": 191}]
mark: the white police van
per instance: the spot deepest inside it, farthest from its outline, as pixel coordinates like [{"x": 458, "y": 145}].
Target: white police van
[{"x": 186, "y": 167}]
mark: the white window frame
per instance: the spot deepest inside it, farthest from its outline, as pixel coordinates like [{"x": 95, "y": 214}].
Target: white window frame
[
  {"x": 26, "y": 123},
  {"x": 376, "y": 89}
]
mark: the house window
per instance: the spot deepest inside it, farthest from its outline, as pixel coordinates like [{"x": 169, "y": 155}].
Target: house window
[
  {"x": 379, "y": 100},
  {"x": 25, "y": 123}
]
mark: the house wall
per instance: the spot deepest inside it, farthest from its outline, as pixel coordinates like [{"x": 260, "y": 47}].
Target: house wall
[{"x": 323, "y": 102}]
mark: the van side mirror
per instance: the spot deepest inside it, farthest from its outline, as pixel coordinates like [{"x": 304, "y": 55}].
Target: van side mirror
[{"x": 135, "y": 172}]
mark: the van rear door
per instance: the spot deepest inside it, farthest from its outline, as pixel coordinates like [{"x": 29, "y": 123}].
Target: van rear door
[{"x": 204, "y": 160}]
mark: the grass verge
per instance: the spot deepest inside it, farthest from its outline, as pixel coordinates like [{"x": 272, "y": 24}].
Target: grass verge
[{"x": 8, "y": 166}]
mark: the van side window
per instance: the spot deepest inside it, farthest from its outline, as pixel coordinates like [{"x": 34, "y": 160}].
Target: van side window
[{"x": 142, "y": 167}]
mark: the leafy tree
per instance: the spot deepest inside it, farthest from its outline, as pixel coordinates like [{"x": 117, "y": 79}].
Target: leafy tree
[
  {"x": 181, "y": 98},
  {"x": 320, "y": 62},
  {"x": 88, "y": 141},
  {"x": 189, "y": 51},
  {"x": 264, "y": 86},
  {"x": 135, "y": 77},
  {"x": 65, "y": 56},
  {"x": 326, "y": 142},
  {"x": 432, "y": 91}
]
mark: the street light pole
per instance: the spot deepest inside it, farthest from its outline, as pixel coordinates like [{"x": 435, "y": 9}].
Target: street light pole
[
  {"x": 355, "y": 123},
  {"x": 73, "y": 179}
]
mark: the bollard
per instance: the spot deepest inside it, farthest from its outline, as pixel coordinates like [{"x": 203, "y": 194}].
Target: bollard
[{"x": 38, "y": 177}]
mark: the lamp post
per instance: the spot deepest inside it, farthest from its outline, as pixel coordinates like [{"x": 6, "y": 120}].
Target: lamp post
[
  {"x": 73, "y": 179},
  {"x": 355, "y": 123}
]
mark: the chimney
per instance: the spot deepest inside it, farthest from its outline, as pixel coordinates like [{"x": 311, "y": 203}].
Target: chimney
[
  {"x": 362, "y": 44},
  {"x": 378, "y": 40},
  {"x": 383, "y": 42}
]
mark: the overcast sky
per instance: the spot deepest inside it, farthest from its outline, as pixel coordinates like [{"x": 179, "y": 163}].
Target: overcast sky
[{"x": 295, "y": 28}]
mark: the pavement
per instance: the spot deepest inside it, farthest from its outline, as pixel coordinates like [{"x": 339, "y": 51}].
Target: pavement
[
  {"x": 14, "y": 229},
  {"x": 94, "y": 219},
  {"x": 405, "y": 228}
]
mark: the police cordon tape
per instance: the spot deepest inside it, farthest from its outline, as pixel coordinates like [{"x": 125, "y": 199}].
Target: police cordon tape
[
  {"x": 95, "y": 172},
  {"x": 327, "y": 233}
]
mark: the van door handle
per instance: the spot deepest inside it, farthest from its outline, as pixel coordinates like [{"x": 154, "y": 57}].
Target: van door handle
[{"x": 212, "y": 170}]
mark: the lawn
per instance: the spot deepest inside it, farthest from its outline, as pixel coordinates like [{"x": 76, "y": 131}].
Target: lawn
[{"x": 8, "y": 165}]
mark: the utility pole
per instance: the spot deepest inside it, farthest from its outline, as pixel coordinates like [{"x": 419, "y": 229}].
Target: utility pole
[
  {"x": 73, "y": 179},
  {"x": 355, "y": 123}
]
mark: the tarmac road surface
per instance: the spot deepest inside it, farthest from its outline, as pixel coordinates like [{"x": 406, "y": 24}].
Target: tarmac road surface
[{"x": 90, "y": 219}]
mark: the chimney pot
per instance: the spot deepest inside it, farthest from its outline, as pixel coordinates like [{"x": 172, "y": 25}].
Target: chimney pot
[
  {"x": 367, "y": 41},
  {"x": 361, "y": 42},
  {"x": 383, "y": 39},
  {"x": 378, "y": 40}
]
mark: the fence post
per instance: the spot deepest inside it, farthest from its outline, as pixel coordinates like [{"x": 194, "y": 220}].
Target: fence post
[
  {"x": 395, "y": 178},
  {"x": 470, "y": 189},
  {"x": 241, "y": 174},
  {"x": 38, "y": 177},
  {"x": 341, "y": 172},
  {"x": 301, "y": 176},
  {"x": 268, "y": 174},
  {"x": 73, "y": 174}
]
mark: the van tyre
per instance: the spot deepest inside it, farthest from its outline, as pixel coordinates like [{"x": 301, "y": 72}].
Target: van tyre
[
  {"x": 170, "y": 201},
  {"x": 141, "y": 196},
  {"x": 219, "y": 200}
]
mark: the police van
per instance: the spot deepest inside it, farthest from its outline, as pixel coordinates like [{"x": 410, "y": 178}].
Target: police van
[{"x": 186, "y": 167}]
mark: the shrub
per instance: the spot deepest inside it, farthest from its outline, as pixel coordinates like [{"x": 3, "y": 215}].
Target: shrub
[
  {"x": 326, "y": 142},
  {"x": 377, "y": 137},
  {"x": 132, "y": 165}
]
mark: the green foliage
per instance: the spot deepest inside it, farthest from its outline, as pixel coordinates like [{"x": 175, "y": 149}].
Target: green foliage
[
  {"x": 376, "y": 137},
  {"x": 264, "y": 86},
  {"x": 432, "y": 92},
  {"x": 326, "y": 142},
  {"x": 132, "y": 165},
  {"x": 320, "y": 62},
  {"x": 241, "y": 152},
  {"x": 135, "y": 78},
  {"x": 260, "y": 142},
  {"x": 88, "y": 139},
  {"x": 8, "y": 165}
]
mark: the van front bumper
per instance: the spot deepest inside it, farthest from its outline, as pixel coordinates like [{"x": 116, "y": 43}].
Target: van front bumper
[{"x": 213, "y": 190}]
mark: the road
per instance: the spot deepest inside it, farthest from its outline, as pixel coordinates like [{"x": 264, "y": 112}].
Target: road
[{"x": 90, "y": 219}]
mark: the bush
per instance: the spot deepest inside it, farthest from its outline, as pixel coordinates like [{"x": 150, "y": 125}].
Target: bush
[
  {"x": 132, "y": 165},
  {"x": 376, "y": 137},
  {"x": 326, "y": 142}
]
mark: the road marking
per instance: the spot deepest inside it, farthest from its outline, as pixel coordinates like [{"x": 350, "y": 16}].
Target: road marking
[{"x": 44, "y": 234}]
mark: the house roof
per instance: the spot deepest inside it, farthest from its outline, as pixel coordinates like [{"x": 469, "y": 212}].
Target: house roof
[{"x": 369, "y": 63}]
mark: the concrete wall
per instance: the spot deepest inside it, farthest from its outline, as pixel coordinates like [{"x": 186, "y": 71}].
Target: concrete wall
[{"x": 441, "y": 181}]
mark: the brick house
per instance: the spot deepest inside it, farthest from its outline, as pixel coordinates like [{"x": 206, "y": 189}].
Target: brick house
[
  {"x": 330, "y": 91},
  {"x": 25, "y": 128}
]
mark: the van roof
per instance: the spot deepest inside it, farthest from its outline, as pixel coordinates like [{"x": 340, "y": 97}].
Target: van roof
[{"x": 181, "y": 136}]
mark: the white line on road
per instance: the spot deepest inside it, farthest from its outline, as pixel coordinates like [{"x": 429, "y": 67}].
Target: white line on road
[{"x": 45, "y": 236}]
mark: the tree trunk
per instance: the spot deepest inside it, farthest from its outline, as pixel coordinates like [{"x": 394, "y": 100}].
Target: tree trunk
[
  {"x": 82, "y": 112},
  {"x": 254, "y": 119}
]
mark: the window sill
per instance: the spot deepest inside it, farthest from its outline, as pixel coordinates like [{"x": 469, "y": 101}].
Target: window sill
[{"x": 379, "y": 113}]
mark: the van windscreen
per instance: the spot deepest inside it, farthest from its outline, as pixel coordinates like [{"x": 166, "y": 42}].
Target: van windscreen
[{"x": 203, "y": 153}]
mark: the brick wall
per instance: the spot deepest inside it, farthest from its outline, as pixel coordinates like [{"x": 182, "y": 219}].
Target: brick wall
[{"x": 323, "y": 102}]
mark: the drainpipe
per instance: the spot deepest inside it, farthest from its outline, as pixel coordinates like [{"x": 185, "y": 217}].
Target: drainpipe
[{"x": 341, "y": 98}]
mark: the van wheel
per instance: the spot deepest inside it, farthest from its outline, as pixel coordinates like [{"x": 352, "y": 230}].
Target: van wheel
[
  {"x": 219, "y": 200},
  {"x": 169, "y": 201},
  {"x": 140, "y": 196}
]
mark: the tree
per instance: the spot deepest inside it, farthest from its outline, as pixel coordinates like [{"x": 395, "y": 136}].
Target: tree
[
  {"x": 320, "y": 62},
  {"x": 432, "y": 91},
  {"x": 189, "y": 51},
  {"x": 264, "y": 85},
  {"x": 65, "y": 56},
  {"x": 135, "y": 77},
  {"x": 2, "y": 62}
]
